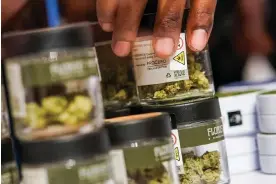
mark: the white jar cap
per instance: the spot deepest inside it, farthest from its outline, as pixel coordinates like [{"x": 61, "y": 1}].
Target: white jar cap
[
  {"x": 268, "y": 164},
  {"x": 267, "y": 144}
]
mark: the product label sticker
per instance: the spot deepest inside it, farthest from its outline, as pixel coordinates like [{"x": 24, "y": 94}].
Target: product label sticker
[
  {"x": 178, "y": 61},
  {"x": 177, "y": 152},
  {"x": 206, "y": 134},
  {"x": 118, "y": 166},
  {"x": 97, "y": 172},
  {"x": 150, "y": 69},
  {"x": 37, "y": 71},
  {"x": 234, "y": 118}
]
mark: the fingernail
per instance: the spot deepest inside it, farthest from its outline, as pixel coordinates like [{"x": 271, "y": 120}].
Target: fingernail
[
  {"x": 108, "y": 27},
  {"x": 164, "y": 47},
  {"x": 121, "y": 48},
  {"x": 199, "y": 39}
]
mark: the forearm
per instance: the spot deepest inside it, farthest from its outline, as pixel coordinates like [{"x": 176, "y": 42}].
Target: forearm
[{"x": 253, "y": 13}]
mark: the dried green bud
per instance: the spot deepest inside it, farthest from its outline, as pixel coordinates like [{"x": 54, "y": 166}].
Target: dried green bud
[
  {"x": 160, "y": 94},
  {"x": 211, "y": 176}
]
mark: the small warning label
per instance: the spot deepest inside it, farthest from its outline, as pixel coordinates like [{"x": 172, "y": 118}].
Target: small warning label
[
  {"x": 180, "y": 44},
  {"x": 180, "y": 58}
]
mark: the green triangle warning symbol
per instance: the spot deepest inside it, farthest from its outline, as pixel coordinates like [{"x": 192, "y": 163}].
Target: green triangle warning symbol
[{"x": 180, "y": 58}]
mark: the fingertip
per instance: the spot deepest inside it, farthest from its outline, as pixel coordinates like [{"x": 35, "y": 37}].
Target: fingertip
[
  {"x": 199, "y": 39},
  {"x": 164, "y": 47},
  {"x": 108, "y": 27},
  {"x": 121, "y": 48}
]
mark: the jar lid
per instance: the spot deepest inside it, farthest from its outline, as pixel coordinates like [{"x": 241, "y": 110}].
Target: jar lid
[
  {"x": 124, "y": 129},
  {"x": 113, "y": 113},
  {"x": 28, "y": 42},
  {"x": 187, "y": 113},
  {"x": 6, "y": 151},
  {"x": 71, "y": 147}
]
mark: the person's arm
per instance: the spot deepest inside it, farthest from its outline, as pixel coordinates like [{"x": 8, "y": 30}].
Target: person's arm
[
  {"x": 252, "y": 15},
  {"x": 10, "y": 8}
]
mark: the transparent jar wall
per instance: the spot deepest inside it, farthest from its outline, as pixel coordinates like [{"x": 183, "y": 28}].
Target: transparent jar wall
[
  {"x": 118, "y": 84},
  {"x": 131, "y": 165},
  {"x": 197, "y": 84},
  {"x": 54, "y": 93},
  {"x": 205, "y": 163},
  {"x": 70, "y": 172},
  {"x": 5, "y": 131}
]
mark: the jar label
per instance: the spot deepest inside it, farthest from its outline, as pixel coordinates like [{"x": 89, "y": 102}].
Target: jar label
[
  {"x": 9, "y": 176},
  {"x": 98, "y": 172},
  {"x": 150, "y": 69},
  {"x": 201, "y": 135},
  {"x": 177, "y": 152},
  {"x": 145, "y": 163},
  {"x": 41, "y": 74}
]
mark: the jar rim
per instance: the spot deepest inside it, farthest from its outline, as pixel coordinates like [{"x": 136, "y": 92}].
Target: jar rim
[
  {"x": 69, "y": 147},
  {"x": 136, "y": 127}
]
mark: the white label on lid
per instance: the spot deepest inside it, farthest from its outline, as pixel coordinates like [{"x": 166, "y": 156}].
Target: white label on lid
[
  {"x": 177, "y": 152},
  {"x": 150, "y": 69}
]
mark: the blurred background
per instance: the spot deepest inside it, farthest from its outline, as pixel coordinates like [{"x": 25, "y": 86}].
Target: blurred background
[{"x": 242, "y": 45}]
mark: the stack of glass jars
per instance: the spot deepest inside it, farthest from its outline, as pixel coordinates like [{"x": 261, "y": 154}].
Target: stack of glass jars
[
  {"x": 182, "y": 86},
  {"x": 53, "y": 84},
  {"x": 53, "y": 81}
]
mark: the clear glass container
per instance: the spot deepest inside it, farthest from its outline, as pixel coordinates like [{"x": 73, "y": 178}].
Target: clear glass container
[
  {"x": 53, "y": 83},
  {"x": 184, "y": 76},
  {"x": 144, "y": 154},
  {"x": 9, "y": 170},
  {"x": 117, "y": 79},
  {"x": 198, "y": 140},
  {"x": 204, "y": 157},
  {"x": 77, "y": 159}
]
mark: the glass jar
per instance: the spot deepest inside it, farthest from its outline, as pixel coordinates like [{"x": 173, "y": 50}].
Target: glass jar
[
  {"x": 198, "y": 139},
  {"x": 118, "y": 85},
  {"x": 142, "y": 150},
  {"x": 9, "y": 170},
  {"x": 52, "y": 79},
  {"x": 183, "y": 76},
  {"x": 5, "y": 131},
  {"x": 79, "y": 159}
]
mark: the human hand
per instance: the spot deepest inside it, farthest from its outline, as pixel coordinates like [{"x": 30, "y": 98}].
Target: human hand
[
  {"x": 9, "y": 8},
  {"x": 123, "y": 18}
]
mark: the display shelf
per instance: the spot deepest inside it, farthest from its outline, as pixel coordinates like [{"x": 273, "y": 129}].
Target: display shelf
[{"x": 255, "y": 177}]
